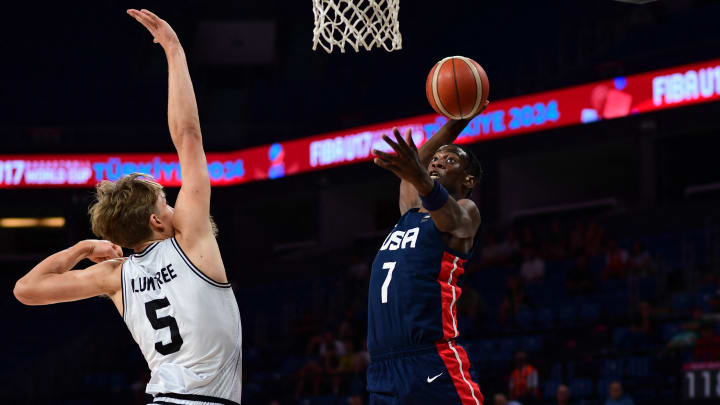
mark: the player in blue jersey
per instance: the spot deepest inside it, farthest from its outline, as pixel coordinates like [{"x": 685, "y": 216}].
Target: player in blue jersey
[{"x": 412, "y": 301}]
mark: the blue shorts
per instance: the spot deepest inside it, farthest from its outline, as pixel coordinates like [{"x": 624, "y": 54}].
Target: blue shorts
[{"x": 432, "y": 374}]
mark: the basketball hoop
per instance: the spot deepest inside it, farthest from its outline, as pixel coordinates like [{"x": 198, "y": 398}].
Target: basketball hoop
[{"x": 357, "y": 23}]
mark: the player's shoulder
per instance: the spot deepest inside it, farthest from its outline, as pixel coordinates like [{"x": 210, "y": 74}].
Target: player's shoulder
[
  {"x": 471, "y": 208},
  {"x": 108, "y": 274},
  {"x": 468, "y": 203}
]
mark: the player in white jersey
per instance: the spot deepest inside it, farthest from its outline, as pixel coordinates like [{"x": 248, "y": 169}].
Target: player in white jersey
[{"x": 173, "y": 293}]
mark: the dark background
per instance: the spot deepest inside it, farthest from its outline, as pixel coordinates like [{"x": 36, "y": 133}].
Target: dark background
[{"x": 85, "y": 77}]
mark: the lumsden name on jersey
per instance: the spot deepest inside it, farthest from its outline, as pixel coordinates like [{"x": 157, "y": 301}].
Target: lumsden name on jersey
[{"x": 144, "y": 283}]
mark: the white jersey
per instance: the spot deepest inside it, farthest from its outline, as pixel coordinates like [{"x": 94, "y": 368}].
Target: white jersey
[{"x": 186, "y": 324}]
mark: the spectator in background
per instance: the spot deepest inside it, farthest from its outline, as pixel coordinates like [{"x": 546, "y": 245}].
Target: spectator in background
[
  {"x": 684, "y": 338},
  {"x": 326, "y": 342},
  {"x": 492, "y": 252},
  {"x": 346, "y": 363},
  {"x": 500, "y": 399},
  {"x": 331, "y": 367},
  {"x": 639, "y": 262},
  {"x": 528, "y": 237},
  {"x": 562, "y": 395},
  {"x": 470, "y": 311},
  {"x": 616, "y": 396},
  {"x": 323, "y": 353},
  {"x": 359, "y": 269},
  {"x": 348, "y": 326},
  {"x": 516, "y": 298},
  {"x": 707, "y": 346},
  {"x": 533, "y": 268},
  {"x": 594, "y": 238},
  {"x": 578, "y": 279},
  {"x": 714, "y": 305},
  {"x": 577, "y": 239},
  {"x": 615, "y": 261},
  {"x": 361, "y": 360},
  {"x": 524, "y": 380},
  {"x": 510, "y": 249},
  {"x": 641, "y": 330},
  {"x": 557, "y": 241}
]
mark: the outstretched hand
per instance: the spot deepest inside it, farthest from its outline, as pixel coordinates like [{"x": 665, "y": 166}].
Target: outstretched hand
[
  {"x": 405, "y": 163},
  {"x": 161, "y": 31}
]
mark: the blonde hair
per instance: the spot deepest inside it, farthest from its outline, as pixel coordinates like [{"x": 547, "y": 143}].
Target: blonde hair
[{"x": 122, "y": 209}]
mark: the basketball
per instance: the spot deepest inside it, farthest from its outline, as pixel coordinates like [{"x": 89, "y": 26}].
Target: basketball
[{"x": 457, "y": 87}]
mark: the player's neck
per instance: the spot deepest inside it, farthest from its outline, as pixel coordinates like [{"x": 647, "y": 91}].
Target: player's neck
[{"x": 142, "y": 246}]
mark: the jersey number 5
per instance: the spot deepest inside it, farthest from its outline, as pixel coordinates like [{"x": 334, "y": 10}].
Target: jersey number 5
[
  {"x": 151, "y": 308},
  {"x": 389, "y": 266}
]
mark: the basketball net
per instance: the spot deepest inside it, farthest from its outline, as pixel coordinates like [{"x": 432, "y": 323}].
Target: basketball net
[{"x": 357, "y": 23}]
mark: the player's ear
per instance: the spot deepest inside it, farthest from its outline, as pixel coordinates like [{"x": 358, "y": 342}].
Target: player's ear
[
  {"x": 156, "y": 223},
  {"x": 469, "y": 181}
]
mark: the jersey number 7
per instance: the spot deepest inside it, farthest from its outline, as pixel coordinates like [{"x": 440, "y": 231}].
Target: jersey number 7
[
  {"x": 389, "y": 266},
  {"x": 151, "y": 308}
]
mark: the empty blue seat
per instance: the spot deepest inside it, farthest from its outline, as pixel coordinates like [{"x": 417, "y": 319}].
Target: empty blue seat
[
  {"x": 614, "y": 305},
  {"x": 646, "y": 288},
  {"x": 613, "y": 286},
  {"x": 638, "y": 366},
  {"x": 532, "y": 343},
  {"x": 477, "y": 355},
  {"x": 325, "y": 400},
  {"x": 570, "y": 370},
  {"x": 550, "y": 389},
  {"x": 556, "y": 372},
  {"x": 501, "y": 359},
  {"x": 683, "y": 303},
  {"x": 545, "y": 318},
  {"x": 603, "y": 387},
  {"x": 581, "y": 387},
  {"x": 567, "y": 316},
  {"x": 621, "y": 336},
  {"x": 669, "y": 330},
  {"x": 487, "y": 346},
  {"x": 524, "y": 318},
  {"x": 612, "y": 368},
  {"x": 590, "y": 312},
  {"x": 510, "y": 345},
  {"x": 596, "y": 263}
]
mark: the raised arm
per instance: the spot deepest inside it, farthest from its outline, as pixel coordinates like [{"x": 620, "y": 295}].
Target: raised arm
[
  {"x": 447, "y": 134},
  {"x": 194, "y": 230},
  {"x": 51, "y": 281},
  {"x": 192, "y": 208},
  {"x": 460, "y": 218}
]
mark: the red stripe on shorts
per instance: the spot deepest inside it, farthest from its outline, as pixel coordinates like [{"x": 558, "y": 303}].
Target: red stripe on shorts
[
  {"x": 450, "y": 269},
  {"x": 458, "y": 365}
]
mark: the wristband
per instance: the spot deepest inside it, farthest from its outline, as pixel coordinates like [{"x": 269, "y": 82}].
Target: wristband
[{"x": 436, "y": 199}]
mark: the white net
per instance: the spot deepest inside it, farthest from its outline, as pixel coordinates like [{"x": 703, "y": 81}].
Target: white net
[{"x": 357, "y": 23}]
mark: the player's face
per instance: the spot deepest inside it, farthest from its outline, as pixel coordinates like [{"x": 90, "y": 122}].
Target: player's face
[
  {"x": 165, "y": 212},
  {"x": 447, "y": 168}
]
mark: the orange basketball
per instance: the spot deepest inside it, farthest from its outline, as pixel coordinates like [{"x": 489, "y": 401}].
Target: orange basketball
[{"x": 457, "y": 87}]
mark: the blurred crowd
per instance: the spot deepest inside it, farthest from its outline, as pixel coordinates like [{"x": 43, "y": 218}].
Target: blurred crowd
[{"x": 577, "y": 312}]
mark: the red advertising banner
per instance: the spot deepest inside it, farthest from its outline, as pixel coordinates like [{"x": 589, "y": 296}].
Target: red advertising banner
[{"x": 608, "y": 99}]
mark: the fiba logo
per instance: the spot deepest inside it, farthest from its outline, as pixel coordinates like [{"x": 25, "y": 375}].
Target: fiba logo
[{"x": 277, "y": 161}]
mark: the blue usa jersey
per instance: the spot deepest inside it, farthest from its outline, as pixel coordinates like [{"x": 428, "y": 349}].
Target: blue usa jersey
[{"x": 414, "y": 287}]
